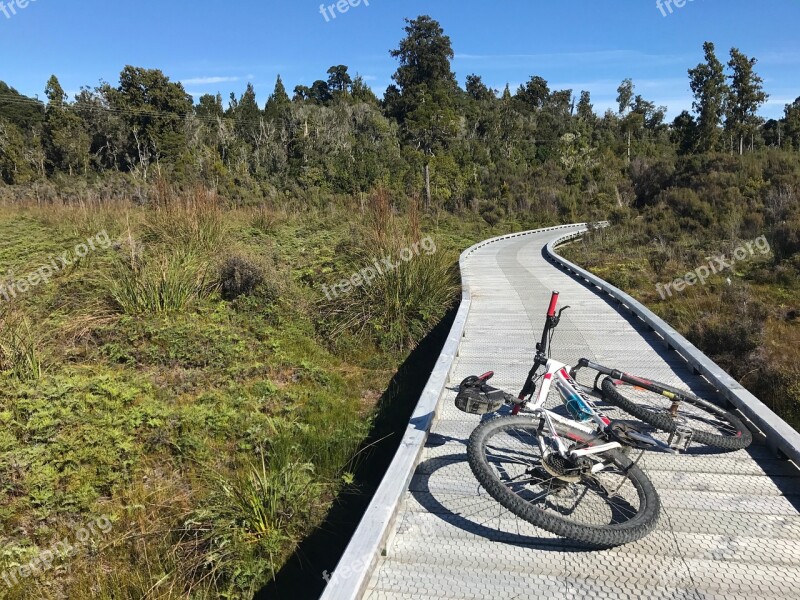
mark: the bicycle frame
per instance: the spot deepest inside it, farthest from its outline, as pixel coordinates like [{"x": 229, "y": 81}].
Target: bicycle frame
[
  {"x": 593, "y": 431},
  {"x": 564, "y": 378},
  {"x": 584, "y": 432}
]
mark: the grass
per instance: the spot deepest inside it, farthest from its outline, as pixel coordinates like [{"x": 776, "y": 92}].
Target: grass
[{"x": 190, "y": 383}]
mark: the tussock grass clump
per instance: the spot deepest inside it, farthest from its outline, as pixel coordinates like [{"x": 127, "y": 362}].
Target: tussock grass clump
[
  {"x": 159, "y": 285},
  {"x": 193, "y": 223},
  {"x": 238, "y": 539},
  {"x": 265, "y": 219},
  {"x": 171, "y": 267},
  {"x": 19, "y": 353},
  {"x": 400, "y": 305}
]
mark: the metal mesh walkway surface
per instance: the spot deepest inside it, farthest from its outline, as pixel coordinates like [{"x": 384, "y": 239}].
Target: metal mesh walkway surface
[{"x": 729, "y": 528}]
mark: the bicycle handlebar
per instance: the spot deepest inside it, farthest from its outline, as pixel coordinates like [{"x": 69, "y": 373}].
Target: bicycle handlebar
[{"x": 551, "y": 312}]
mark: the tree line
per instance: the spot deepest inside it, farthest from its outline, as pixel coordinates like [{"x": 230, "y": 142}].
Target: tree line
[{"x": 487, "y": 149}]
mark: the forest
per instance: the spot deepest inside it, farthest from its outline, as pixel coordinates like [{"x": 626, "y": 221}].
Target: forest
[
  {"x": 495, "y": 152},
  {"x": 191, "y": 363}
]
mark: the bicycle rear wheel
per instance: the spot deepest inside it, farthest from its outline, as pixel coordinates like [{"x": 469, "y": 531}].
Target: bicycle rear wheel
[
  {"x": 615, "y": 506},
  {"x": 710, "y": 424}
]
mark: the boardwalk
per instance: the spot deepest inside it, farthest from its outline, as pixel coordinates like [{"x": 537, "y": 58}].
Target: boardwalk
[{"x": 730, "y": 526}]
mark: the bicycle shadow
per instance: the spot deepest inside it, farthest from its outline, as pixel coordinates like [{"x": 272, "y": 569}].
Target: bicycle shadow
[{"x": 474, "y": 514}]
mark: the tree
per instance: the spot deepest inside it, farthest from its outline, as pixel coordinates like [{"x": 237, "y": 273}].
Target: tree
[
  {"x": 301, "y": 93},
  {"x": 585, "y": 108},
  {"x": 247, "y": 115},
  {"x": 54, "y": 93},
  {"x": 477, "y": 90},
  {"x": 393, "y": 103},
  {"x": 361, "y": 92},
  {"x": 746, "y": 97},
  {"x": 534, "y": 94},
  {"x": 684, "y": 132},
  {"x": 707, "y": 81},
  {"x": 153, "y": 110},
  {"x": 278, "y": 104},
  {"x": 773, "y": 133},
  {"x": 625, "y": 96},
  {"x": 339, "y": 80},
  {"x": 66, "y": 143},
  {"x": 320, "y": 93},
  {"x": 14, "y": 168},
  {"x": 424, "y": 56},
  {"x": 209, "y": 107},
  {"x": 26, "y": 113},
  {"x": 652, "y": 117},
  {"x": 424, "y": 101},
  {"x": 791, "y": 122},
  {"x": 631, "y": 121}
]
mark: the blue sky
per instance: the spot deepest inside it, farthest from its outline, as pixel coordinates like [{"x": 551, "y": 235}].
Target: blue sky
[{"x": 219, "y": 46}]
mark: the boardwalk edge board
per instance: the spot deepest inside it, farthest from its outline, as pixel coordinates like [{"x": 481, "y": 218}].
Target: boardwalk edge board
[
  {"x": 780, "y": 436},
  {"x": 373, "y": 534}
]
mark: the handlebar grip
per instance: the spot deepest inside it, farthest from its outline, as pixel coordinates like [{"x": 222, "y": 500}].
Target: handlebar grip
[{"x": 551, "y": 312}]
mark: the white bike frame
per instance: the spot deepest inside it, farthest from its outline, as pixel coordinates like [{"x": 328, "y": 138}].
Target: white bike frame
[{"x": 578, "y": 431}]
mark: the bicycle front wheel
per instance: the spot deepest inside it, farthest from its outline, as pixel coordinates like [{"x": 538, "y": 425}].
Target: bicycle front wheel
[
  {"x": 710, "y": 424},
  {"x": 614, "y": 506}
]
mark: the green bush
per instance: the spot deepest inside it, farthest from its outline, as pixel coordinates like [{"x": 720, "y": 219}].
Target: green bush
[{"x": 239, "y": 276}]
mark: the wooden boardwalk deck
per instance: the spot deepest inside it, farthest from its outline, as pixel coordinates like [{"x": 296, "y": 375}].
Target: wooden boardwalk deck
[{"x": 730, "y": 526}]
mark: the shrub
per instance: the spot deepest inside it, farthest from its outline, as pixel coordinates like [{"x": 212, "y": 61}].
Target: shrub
[
  {"x": 492, "y": 214},
  {"x": 649, "y": 179},
  {"x": 239, "y": 276},
  {"x": 732, "y": 330}
]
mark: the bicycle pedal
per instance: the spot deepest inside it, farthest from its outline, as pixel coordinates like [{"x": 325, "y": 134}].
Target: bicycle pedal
[{"x": 680, "y": 439}]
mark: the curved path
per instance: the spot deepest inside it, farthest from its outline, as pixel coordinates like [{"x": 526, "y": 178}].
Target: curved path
[{"x": 730, "y": 526}]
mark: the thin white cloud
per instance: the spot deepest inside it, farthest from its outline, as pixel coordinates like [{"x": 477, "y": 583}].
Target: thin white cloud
[
  {"x": 779, "y": 58},
  {"x": 208, "y": 80}
]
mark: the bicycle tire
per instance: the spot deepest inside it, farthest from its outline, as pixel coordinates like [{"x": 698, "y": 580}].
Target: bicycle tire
[
  {"x": 737, "y": 438},
  {"x": 540, "y": 514}
]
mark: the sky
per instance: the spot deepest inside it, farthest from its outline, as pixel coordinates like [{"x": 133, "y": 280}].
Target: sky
[{"x": 214, "y": 46}]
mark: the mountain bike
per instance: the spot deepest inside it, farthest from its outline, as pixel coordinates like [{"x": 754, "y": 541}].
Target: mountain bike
[{"x": 572, "y": 476}]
